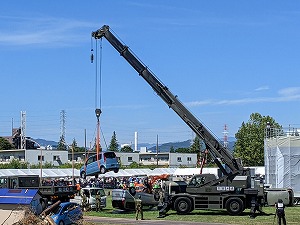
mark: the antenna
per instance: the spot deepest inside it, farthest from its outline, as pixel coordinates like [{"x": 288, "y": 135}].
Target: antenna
[
  {"x": 23, "y": 129},
  {"x": 225, "y": 137},
  {"x": 63, "y": 125}
]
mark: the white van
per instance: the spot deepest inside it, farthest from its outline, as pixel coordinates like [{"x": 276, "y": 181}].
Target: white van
[{"x": 91, "y": 192}]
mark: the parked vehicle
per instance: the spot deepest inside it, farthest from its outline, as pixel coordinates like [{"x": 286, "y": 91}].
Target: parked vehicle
[
  {"x": 123, "y": 199},
  {"x": 90, "y": 193},
  {"x": 67, "y": 213},
  {"x": 95, "y": 165},
  {"x": 50, "y": 192}
]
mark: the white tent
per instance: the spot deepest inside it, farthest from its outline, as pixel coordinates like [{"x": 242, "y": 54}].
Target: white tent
[{"x": 49, "y": 173}]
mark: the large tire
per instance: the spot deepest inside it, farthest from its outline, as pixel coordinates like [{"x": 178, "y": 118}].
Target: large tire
[
  {"x": 234, "y": 206},
  {"x": 102, "y": 170},
  {"x": 183, "y": 205},
  {"x": 83, "y": 175}
]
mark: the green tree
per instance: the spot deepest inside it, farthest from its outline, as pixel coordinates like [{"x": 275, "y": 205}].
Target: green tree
[
  {"x": 196, "y": 148},
  {"x": 126, "y": 148},
  {"x": 172, "y": 150},
  {"x": 75, "y": 147},
  {"x": 249, "y": 145},
  {"x": 182, "y": 150},
  {"x": 113, "y": 145},
  {"x": 62, "y": 143},
  {"x": 5, "y": 145}
]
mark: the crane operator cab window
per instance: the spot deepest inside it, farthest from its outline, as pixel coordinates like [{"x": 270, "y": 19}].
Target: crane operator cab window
[{"x": 197, "y": 181}]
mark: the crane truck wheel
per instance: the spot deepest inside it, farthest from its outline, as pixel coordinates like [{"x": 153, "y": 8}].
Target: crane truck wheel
[
  {"x": 234, "y": 206},
  {"x": 183, "y": 205}
]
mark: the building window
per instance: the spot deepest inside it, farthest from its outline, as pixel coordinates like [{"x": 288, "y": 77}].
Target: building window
[
  {"x": 39, "y": 158},
  {"x": 179, "y": 159},
  {"x": 129, "y": 159},
  {"x": 56, "y": 158},
  {"x": 189, "y": 159}
]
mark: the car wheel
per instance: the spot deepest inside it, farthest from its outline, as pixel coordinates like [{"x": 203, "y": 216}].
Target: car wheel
[
  {"x": 83, "y": 175},
  {"x": 102, "y": 169},
  {"x": 116, "y": 170},
  {"x": 61, "y": 223}
]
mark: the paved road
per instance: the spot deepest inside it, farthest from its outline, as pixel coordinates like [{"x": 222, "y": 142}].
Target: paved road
[{"x": 152, "y": 222}]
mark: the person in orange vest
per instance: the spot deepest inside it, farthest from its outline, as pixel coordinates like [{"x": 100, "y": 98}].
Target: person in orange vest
[{"x": 78, "y": 188}]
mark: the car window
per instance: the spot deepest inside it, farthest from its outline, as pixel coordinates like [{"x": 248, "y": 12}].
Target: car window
[
  {"x": 102, "y": 192},
  {"x": 90, "y": 160},
  {"x": 94, "y": 192},
  {"x": 56, "y": 210},
  {"x": 109, "y": 155}
]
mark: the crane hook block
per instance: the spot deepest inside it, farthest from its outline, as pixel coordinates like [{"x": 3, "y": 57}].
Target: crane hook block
[
  {"x": 98, "y": 112},
  {"x": 92, "y": 56}
]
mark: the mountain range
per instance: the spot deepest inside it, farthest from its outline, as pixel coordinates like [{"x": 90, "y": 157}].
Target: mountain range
[{"x": 165, "y": 147}]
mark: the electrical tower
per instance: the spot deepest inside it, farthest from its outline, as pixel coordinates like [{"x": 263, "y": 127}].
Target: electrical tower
[
  {"x": 63, "y": 126},
  {"x": 23, "y": 130},
  {"x": 225, "y": 137}
]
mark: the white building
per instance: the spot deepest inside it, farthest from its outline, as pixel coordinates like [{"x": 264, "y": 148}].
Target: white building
[
  {"x": 35, "y": 156},
  {"x": 282, "y": 158}
]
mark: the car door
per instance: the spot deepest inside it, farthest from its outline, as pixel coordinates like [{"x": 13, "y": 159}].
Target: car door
[{"x": 96, "y": 165}]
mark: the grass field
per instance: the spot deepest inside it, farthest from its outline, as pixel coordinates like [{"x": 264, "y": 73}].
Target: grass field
[{"x": 292, "y": 215}]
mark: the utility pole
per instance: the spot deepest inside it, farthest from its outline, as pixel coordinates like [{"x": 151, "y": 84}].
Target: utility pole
[
  {"x": 157, "y": 151},
  {"x": 73, "y": 165},
  {"x": 23, "y": 130}
]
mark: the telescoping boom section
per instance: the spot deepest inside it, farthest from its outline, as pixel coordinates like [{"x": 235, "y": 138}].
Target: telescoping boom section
[{"x": 216, "y": 149}]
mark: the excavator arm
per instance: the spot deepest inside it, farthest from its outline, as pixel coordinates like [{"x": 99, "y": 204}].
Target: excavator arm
[{"x": 221, "y": 154}]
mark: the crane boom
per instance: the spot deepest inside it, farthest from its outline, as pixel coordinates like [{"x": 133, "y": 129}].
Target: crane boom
[{"x": 212, "y": 144}]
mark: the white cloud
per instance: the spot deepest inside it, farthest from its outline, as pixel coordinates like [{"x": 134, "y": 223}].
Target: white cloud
[
  {"x": 290, "y": 91},
  {"x": 262, "y": 88},
  {"x": 285, "y": 95},
  {"x": 46, "y": 31}
]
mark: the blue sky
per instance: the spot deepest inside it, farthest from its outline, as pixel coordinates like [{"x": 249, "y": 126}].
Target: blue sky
[{"x": 224, "y": 60}]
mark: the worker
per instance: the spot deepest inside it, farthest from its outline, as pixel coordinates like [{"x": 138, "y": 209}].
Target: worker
[
  {"x": 98, "y": 201},
  {"x": 255, "y": 206},
  {"x": 78, "y": 188},
  {"x": 138, "y": 207},
  {"x": 280, "y": 212},
  {"x": 85, "y": 201}
]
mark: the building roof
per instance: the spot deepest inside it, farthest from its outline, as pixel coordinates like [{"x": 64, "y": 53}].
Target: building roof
[{"x": 17, "y": 196}]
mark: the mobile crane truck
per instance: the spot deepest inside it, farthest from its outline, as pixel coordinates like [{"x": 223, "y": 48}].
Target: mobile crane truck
[{"x": 232, "y": 191}]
